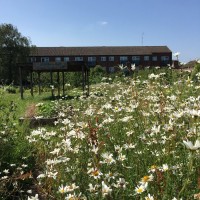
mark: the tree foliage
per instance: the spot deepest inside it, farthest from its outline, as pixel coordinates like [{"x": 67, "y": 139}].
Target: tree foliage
[{"x": 14, "y": 48}]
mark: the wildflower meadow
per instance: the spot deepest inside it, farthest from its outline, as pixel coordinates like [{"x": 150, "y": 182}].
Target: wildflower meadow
[{"x": 135, "y": 137}]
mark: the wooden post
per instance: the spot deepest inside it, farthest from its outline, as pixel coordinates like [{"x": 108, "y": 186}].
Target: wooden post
[
  {"x": 31, "y": 76},
  {"x": 88, "y": 83},
  {"x": 21, "y": 86},
  {"x": 63, "y": 82},
  {"x": 83, "y": 79},
  {"x": 51, "y": 76},
  {"x": 58, "y": 81},
  {"x": 39, "y": 83}
]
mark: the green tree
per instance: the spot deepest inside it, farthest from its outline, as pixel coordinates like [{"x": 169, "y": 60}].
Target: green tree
[
  {"x": 14, "y": 48},
  {"x": 96, "y": 74}
]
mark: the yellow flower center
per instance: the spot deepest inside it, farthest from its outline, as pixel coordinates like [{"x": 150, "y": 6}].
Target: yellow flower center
[
  {"x": 62, "y": 190},
  {"x": 95, "y": 173},
  {"x": 140, "y": 190},
  {"x": 145, "y": 179},
  {"x": 153, "y": 167}
]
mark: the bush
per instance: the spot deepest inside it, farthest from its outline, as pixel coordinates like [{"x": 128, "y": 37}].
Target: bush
[
  {"x": 96, "y": 74},
  {"x": 195, "y": 71},
  {"x": 11, "y": 89}
]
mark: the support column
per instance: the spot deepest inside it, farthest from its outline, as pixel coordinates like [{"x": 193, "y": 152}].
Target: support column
[
  {"x": 31, "y": 76},
  {"x": 51, "y": 76},
  {"x": 39, "y": 83},
  {"x": 63, "y": 82},
  {"x": 20, "y": 79},
  {"x": 83, "y": 79},
  {"x": 88, "y": 83},
  {"x": 58, "y": 81}
]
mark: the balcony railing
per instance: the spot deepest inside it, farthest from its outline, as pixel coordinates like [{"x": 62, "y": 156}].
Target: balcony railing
[
  {"x": 50, "y": 66},
  {"x": 71, "y": 66}
]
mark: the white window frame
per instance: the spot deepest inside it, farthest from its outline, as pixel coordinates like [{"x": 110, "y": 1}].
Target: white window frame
[
  {"x": 44, "y": 59},
  {"x": 164, "y": 58},
  {"x": 91, "y": 59},
  {"x": 111, "y": 69},
  {"x": 111, "y": 58},
  {"x": 33, "y": 59},
  {"x": 103, "y": 58},
  {"x": 57, "y": 59},
  {"x": 123, "y": 58},
  {"x": 146, "y": 58},
  {"x": 135, "y": 58},
  {"x": 154, "y": 58},
  {"x": 66, "y": 59},
  {"x": 79, "y": 58}
]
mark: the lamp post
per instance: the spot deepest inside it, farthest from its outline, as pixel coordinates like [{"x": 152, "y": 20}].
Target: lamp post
[{"x": 177, "y": 55}]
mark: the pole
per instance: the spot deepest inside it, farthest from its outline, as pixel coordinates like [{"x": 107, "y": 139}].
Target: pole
[
  {"x": 58, "y": 81},
  {"x": 51, "y": 76},
  {"x": 63, "y": 82},
  {"x": 31, "y": 76},
  {"x": 88, "y": 83},
  {"x": 83, "y": 79},
  {"x": 21, "y": 86},
  {"x": 39, "y": 83}
]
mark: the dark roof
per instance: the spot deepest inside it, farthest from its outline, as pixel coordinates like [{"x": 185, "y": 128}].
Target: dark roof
[{"x": 99, "y": 50}]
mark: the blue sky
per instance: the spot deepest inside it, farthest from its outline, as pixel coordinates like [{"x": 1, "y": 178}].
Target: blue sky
[{"x": 174, "y": 23}]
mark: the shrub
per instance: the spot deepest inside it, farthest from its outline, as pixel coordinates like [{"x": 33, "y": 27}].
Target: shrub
[
  {"x": 96, "y": 74},
  {"x": 11, "y": 89},
  {"x": 195, "y": 71}
]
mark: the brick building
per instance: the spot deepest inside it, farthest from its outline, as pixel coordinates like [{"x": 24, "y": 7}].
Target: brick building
[{"x": 106, "y": 56}]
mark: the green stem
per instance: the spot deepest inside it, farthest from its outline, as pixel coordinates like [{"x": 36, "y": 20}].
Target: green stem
[{"x": 187, "y": 181}]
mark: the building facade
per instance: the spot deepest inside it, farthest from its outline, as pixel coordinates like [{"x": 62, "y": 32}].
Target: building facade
[{"x": 106, "y": 56}]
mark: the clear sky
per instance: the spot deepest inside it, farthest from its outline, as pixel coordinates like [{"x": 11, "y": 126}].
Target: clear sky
[{"x": 175, "y": 23}]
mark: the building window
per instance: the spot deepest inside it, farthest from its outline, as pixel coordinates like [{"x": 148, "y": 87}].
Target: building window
[
  {"x": 111, "y": 69},
  {"x": 111, "y": 58},
  {"x": 154, "y": 58},
  {"x": 66, "y": 59},
  {"x": 164, "y": 58},
  {"x": 146, "y": 58},
  {"x": 123, "y": 58},
  {"x": 32, "y": 59},
  {"x": 58, "y": 59},
  {"x": 91, "y": 59},
  {"x": 136, "y": 59},
  {"x": 78, "y": 58},
  {"x": 103, "y": 58},
  {"x": 45, "y": 59}
]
